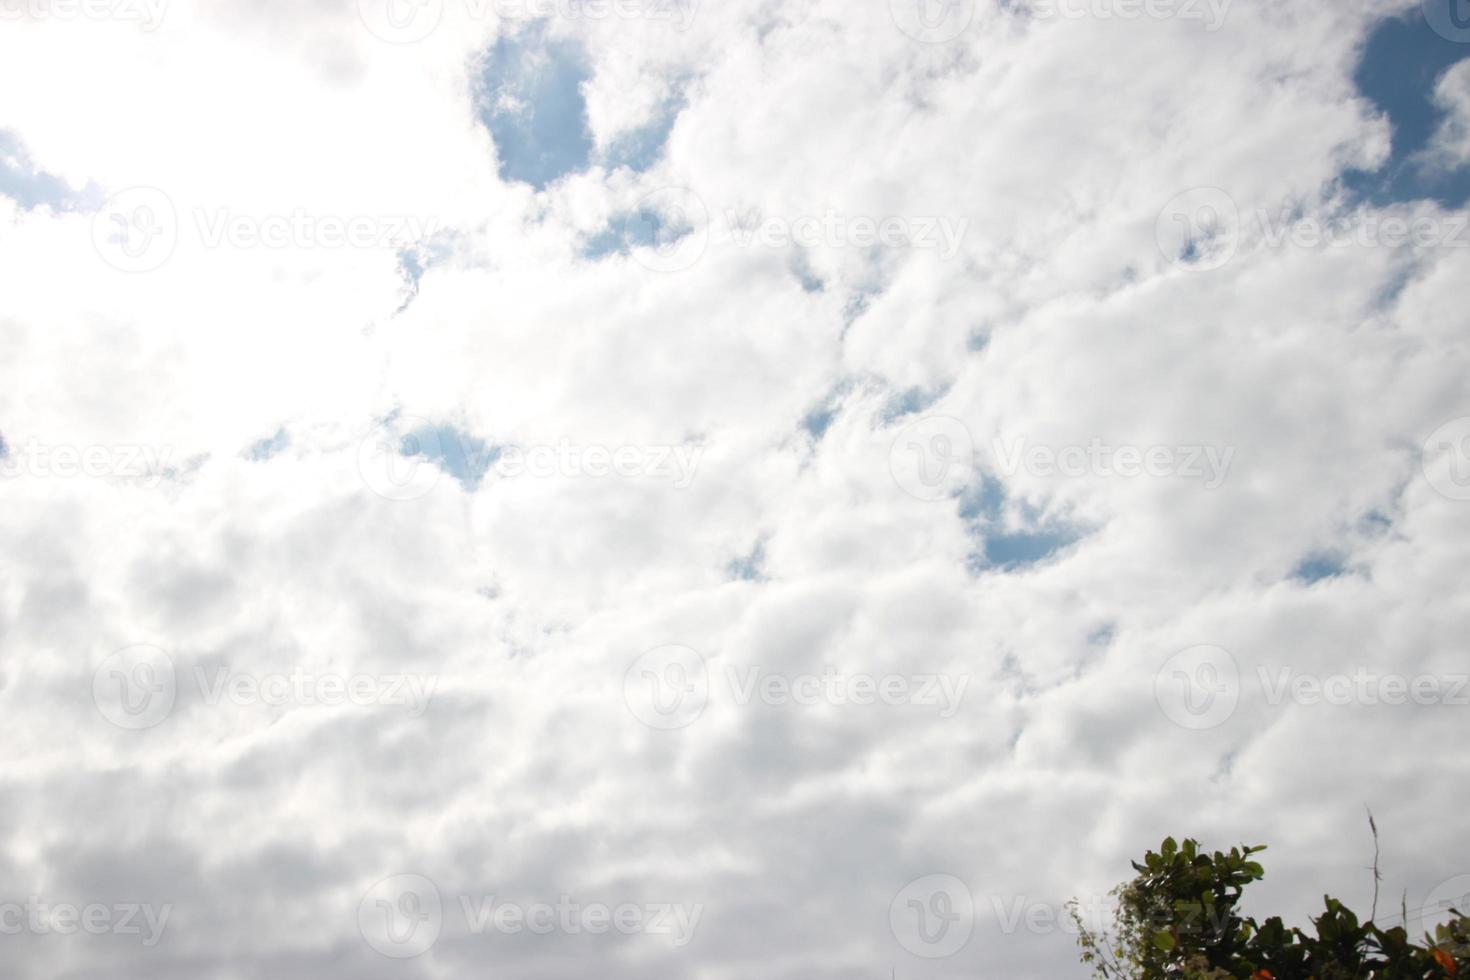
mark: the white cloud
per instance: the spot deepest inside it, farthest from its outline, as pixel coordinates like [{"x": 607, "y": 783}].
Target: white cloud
[
  {"x": 1059, "y": 319},
  {"x": 1451, "y": 145}
]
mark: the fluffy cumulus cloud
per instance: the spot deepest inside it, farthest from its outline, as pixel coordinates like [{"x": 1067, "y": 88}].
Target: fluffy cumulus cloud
[
  {"x": 709, "y": 490},
  {"x": 1452, "y": 142}
]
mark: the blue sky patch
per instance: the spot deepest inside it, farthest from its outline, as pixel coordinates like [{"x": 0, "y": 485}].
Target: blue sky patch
[
  {"x": 1375, "y": 522},
  {"x": 456, "y": 452},
  {"x": 531, "y": 100},
  {"x": 751, "y": 567},
  {"x": 819, "y": 420},
  {"x": 859, "y": 302},
  {"x": 1316, "y": 567},
  {"x": 983, "y": 507},
  {"x": 639, "y": 149},
  {"x": 31, "y": 187},
  {"x": 911, "y": 401},
  {"x": 1401, "y": 66},
  {"x": 819, "y": 417},
  {"x": 265, "y": 449},
  {"x": 416, "y": 259},
  {"x": 636, "y": 229},
  {"x": 1023, "y": 549},
  {"x": 983, "y": 502},
  {"x": 643, "y": 228},
  {"x": 411, "y": 267},
  {"x": 801, "y": 268}
]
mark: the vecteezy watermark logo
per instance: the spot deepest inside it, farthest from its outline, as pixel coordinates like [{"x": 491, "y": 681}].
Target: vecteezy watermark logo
[
  {"x": 404, "y": 458},
  {"x": 139, "y": 229},
  {"x": 933, "y": 458},
  {"x": 938, "y": 233},
  {"x": 839, "y": 688},
  {"x": 1095, "y": 913},
  {"x": 933, "y": 916},
  {"x": 38, "y": 917},
  {"x": 135, "y": 688},
  {"x": 136, "y": 230},
  {"x": 148, "y": 466},
  {"x": 1211, "y": 12},
  {"x": 668, "y": 231},
  {"x": 401, "y": 467},
  {"x": 932, "y": 21},
  {"x": 401, "y": 21},
  {"x": 303, "y": 688},
  {"x": 302, "y": 229},
  {"x": 1209, "y": 464},
  {"x": 411, "y": 21},
  {"x": 674, "y": 464},
  {"x": 1198, "y": 688},
  {"x": 572, "y": 917},
  {"x": 1199, "y": 229},
  {"x": 1363, "y": 687},
  {"x": 1450, "y": 20},
  {"x": 1446, "y": 459},
  {"x": 680, "y": 13},
  {"x": 667, "y": 688},
  {"x": 1203, "y": 229},
  {"x": 147, "y": 13},
  {"x": 401, "y": 917},
  {"x": 1017, "y": 913}
]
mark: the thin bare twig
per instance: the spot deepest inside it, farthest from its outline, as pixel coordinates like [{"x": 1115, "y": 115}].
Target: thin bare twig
[{"x": 1377, "y": 876}]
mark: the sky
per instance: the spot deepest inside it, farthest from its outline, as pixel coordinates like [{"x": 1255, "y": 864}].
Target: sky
[{"x": 691, "y": 490}]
